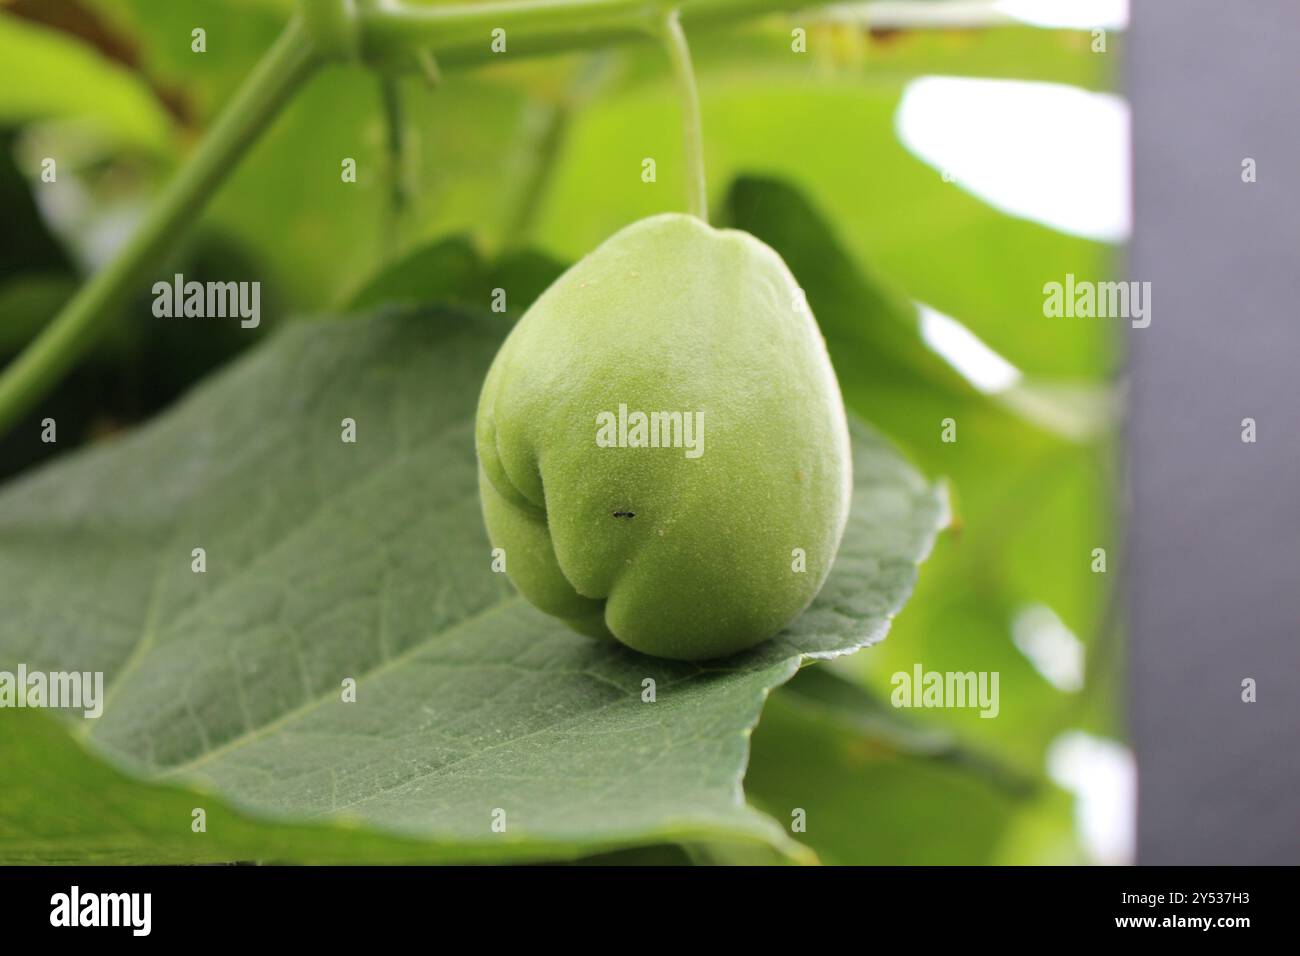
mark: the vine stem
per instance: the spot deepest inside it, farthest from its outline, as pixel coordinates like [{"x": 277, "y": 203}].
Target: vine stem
[
  {"x": 552, "y": 119},
  {"x": 458, "y": 33},
  {"x": 288, "y": 62},
  {"x": 679, "y": 53},
  {"x": 399, "y": 200}
]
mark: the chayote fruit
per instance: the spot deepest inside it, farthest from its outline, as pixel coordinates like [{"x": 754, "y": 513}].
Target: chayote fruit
[{"x": 660, "y": 439}]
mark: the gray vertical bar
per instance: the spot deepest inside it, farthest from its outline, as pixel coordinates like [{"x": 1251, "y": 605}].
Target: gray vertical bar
[{"x": 1214, "y": 563}]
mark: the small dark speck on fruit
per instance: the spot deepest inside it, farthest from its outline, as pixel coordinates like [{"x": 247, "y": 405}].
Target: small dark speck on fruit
[{"x": 624, "y": 514}]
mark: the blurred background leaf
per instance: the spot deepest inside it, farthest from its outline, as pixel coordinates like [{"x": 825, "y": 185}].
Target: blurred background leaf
[{"x": 48, "y": 74}]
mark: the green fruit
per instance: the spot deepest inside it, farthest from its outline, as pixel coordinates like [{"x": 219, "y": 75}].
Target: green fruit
[{"x": 686, "y": 551}]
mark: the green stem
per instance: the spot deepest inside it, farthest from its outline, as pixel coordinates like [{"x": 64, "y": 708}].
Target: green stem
[
  {"x": 692, "y": 137},
  {"x": 549, "y": 122},
  {"x": 450, "y": 24},
  {"x": 390, "y": 96},
  {"x": 461, "y": 33},
  {"x": 286, "y": 65},
  {"x": 552, "y": 121}
]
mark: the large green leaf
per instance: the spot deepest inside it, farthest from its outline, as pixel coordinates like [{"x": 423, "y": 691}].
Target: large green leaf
[
  {"x": 63, "y": 804},
  {"x": 328, "y": 560}
]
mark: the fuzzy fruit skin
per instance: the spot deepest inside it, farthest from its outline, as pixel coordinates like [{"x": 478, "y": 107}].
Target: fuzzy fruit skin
[{"x": 668, "y": 314}]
